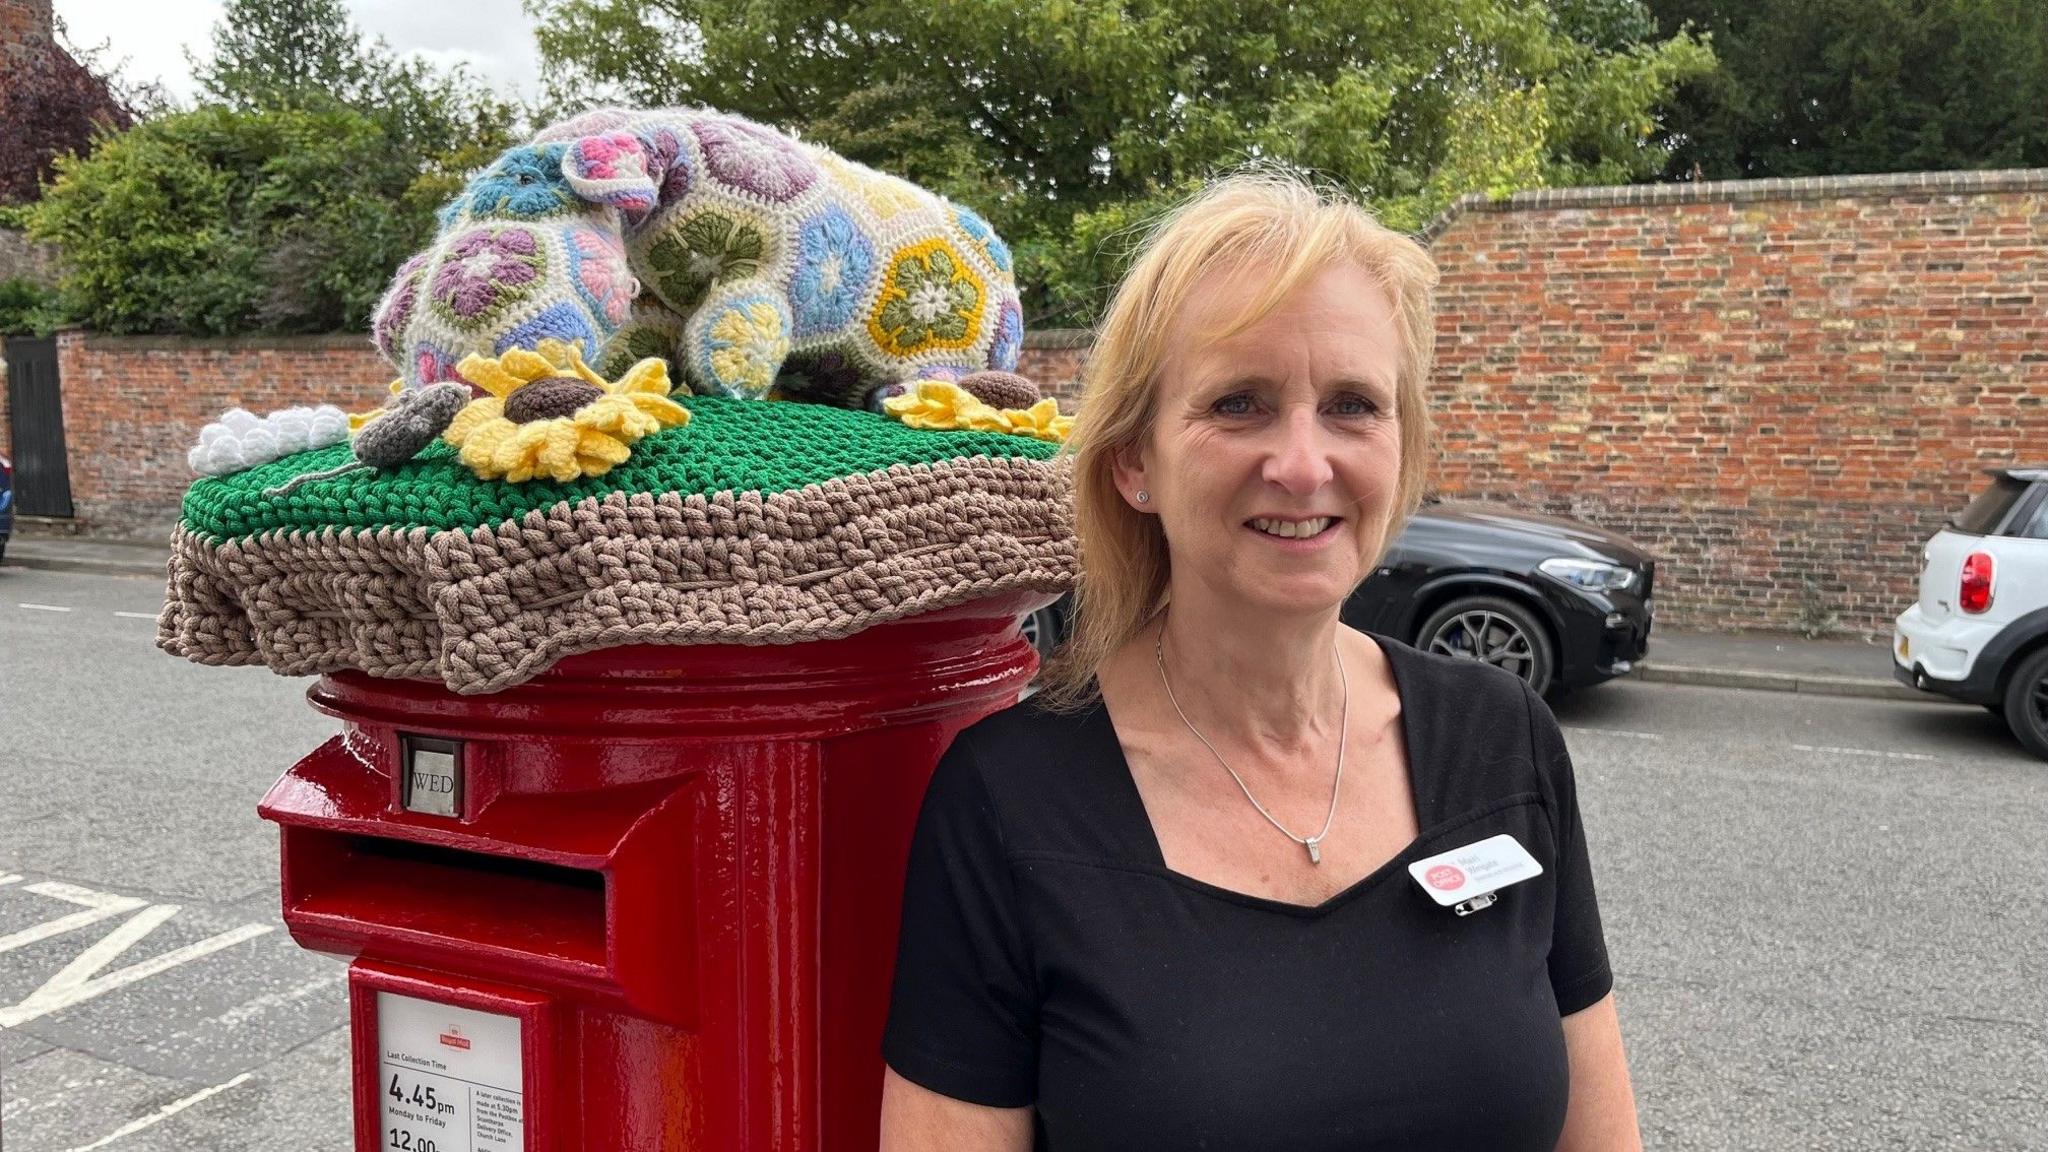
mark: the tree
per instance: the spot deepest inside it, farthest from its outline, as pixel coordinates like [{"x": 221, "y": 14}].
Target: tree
[
  {"x": 214, "y": 222},
  {"x": 272, "y": 54},
  {"x": 1836, "y": 87},
  {"x": 1067, "y": 121},
  {"x": 286, "y": 55},
  {"x": 51, "y": 107},
  {"x": 286, "y": 202}
]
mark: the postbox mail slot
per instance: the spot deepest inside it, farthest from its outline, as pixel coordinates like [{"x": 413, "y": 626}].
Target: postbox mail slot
[{"x": 452, "y": 901}]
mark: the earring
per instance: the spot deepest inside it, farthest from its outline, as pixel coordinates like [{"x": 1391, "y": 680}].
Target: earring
[{"x": 1144, "y": 496}]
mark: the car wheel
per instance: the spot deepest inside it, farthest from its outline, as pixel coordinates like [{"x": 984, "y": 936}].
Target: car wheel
[
  {"x": 2026, "y": 703},
  {"x": 1042, "y": 629},
  {"x": 1500, "y": 632}
]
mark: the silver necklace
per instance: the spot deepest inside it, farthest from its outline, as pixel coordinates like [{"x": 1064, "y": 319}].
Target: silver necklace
[{"x": 1312, "y": 843}]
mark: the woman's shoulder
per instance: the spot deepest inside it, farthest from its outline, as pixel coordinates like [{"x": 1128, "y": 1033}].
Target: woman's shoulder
[
  {"x": 1434, "y": 680},
  {"x": 1050, "y": 777},
  {"x": 1481, "y": 718}
]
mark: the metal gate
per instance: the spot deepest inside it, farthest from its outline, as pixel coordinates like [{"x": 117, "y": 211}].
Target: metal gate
[{"x": 35, "y": 408}]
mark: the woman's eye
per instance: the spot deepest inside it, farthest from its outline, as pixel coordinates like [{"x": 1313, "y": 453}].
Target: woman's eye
[
  {"x": 1355, "y": 405},
  {"x": 1237, "y": 404}
]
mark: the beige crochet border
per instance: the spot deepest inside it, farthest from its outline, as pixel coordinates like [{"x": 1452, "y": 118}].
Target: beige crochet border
[{"x": 486, "y": 608}]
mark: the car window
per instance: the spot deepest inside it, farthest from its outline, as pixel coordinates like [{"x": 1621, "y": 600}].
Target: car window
[
  {"x": 2037, "y": 528},
  {"x": 1982, "y": 515}
]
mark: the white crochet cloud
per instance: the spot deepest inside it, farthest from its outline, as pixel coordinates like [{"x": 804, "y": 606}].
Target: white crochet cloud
[{"x": 241, "y": 439}]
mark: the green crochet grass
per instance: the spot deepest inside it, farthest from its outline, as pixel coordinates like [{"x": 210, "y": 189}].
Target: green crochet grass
[{"x": 730, "y": 445}]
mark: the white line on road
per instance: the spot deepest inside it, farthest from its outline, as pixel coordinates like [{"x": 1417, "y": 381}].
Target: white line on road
[
  {"x": 160, "y": 1115},
  {"x": 137, "y": 615},
  {"x": 98, "y": 906},
  {"x": 1864, "y": 752},
  {"x": 44, "y": 607},
  {"x": 78, "y": 982},
  {"x": 9, "y": 878},
  {"x": 1616, "y": 732},
  {"x": 249, "y": 1009}
]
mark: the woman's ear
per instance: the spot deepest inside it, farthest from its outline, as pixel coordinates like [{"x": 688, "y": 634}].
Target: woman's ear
[
  {"x": 612, "y": 168},
  {"x": 1127, "y": 469}
]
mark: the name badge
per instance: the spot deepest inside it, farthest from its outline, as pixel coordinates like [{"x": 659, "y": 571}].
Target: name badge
[{"x": 1465, "y": 879}]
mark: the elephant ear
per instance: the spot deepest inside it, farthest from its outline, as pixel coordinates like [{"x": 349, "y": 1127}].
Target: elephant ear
[{"x": 612, "y": 168}]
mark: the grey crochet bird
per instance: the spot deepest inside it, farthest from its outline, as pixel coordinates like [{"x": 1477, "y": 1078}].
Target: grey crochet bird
[{"x": 410, "y": 423}]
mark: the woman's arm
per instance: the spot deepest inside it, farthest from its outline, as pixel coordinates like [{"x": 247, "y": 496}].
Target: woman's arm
[
  {"x": 917, "y": 1119},
  {"x": 1601, "y": 1116}
]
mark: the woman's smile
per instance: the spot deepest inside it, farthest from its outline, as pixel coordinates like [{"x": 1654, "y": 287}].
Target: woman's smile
[{"x": 1295, "y": 535}]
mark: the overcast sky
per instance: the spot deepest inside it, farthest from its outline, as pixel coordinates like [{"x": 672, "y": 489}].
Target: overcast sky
[{"x": 493, "y": 36}]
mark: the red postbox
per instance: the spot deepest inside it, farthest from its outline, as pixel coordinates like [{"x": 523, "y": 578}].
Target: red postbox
[{"x": 646, "y": 900}]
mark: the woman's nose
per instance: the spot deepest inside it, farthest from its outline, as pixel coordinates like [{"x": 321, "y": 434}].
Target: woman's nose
[{"x": 1299, "y": 459}]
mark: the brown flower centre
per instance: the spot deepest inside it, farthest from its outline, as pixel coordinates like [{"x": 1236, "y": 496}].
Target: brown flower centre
[{"x": 548, "y": 399}]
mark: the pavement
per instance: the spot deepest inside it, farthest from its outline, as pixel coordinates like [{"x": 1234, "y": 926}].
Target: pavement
[{"x": 1767, "y": 661}]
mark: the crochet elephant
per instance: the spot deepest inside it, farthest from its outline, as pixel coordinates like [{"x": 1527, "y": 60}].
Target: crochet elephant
[{"x": 758, "y": 265}]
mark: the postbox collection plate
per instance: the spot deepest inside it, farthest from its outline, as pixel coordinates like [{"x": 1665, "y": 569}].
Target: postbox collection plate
[{"x": 449, "y": 1078}]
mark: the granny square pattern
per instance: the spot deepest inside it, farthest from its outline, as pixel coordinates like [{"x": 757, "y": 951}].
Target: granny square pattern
[{"x": 639, "y": 232}]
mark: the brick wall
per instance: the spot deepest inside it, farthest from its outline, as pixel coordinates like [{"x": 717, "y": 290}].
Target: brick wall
[
  {"x": 1052, "y": 357},
  {"x": 1780, "y": 387},
  {"x": 25, "y": 31},
  {"x": 133, "y": 404},
  {"x": 22, "y": 258}
]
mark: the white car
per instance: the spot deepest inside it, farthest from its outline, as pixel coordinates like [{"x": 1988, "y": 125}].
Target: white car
[{"x": 1979, "y": 632}]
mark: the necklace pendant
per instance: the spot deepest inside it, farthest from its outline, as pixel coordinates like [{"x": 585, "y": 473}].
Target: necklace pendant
[{"x": 1315, "y": 851}]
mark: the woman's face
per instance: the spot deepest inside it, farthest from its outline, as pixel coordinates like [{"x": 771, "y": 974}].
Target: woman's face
[{"x": 1274, "y": 455}]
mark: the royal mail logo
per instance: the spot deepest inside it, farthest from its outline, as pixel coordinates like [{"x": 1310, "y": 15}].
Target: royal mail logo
[{"x": 453, "y": 1038}]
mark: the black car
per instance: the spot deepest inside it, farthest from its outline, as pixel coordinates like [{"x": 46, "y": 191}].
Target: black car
[{"x": 1558, "y": 602}]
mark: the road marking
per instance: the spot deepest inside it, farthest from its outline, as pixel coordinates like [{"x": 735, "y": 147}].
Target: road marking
[
  {"x": 137, "y": 615},
  {"x": 160, "y": 1115},
  {"x": 9, "y": 879},
  {"x": 258, "y": 1005},
  {"x": 1616, "y": 732},
  {"x": 43, "y": 607},
  {"x": 98, "y": 906},
  {"x": 81, "y": 979},
  {"x": 1864, "y": 752}
]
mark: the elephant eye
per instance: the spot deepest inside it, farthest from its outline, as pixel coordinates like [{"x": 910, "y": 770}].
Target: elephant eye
[{"x": 526, "y": 177}]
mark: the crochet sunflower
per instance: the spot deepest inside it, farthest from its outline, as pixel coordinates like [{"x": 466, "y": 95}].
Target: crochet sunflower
[
  {"x": 938, "y": 404},
  {"x": 549, "y": 414}
]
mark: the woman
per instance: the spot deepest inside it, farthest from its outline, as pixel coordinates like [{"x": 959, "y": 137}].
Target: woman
[{"x": 1167, "y": 903}]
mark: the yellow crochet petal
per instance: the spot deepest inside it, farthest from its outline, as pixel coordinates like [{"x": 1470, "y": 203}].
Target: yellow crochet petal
[
  {"x": 489, "y": 374},
  {"x": 356, "y": 420},
  {"x": 595, "y": 445},
  {"x": 637, "y": 425},
  {"x": 528, "y": 365},
  {"x": 530, "y": 436},
  {"x": 480, "y": 447},
  {"x": 565, "y": 358},
  {"x": 606, "y": 413},
  {"x": 664, "y": 410},
  {"x": 472, "y": 416},
  {"x": 649, "y": 375},
  {"x": 585, "y": 371},
  {"x": 558, "y": 453}
]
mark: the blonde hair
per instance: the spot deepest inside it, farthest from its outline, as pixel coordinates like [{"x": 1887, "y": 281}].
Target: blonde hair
[{"x": 1259, "y": 219}]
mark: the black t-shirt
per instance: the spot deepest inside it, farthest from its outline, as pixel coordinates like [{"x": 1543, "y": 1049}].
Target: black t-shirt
[{"x": 1049, "y": 957}]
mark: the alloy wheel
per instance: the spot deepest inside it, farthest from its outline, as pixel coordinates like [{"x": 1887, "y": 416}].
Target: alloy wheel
[{"x": 1492, "y": 630}]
